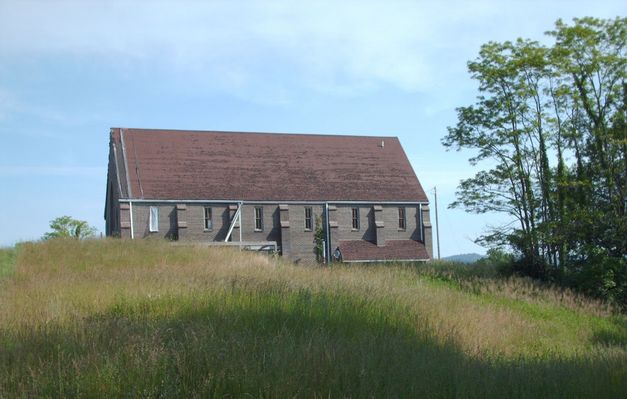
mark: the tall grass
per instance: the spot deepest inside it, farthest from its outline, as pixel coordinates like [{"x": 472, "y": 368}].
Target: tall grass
[
  {"x": 7, "y": 262},
  {"x": 118, "y": 318}
]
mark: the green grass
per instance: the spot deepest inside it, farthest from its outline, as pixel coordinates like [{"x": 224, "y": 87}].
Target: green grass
[
  {"x": 113, "y": 318},
  {"x": 7, "y": 262}
]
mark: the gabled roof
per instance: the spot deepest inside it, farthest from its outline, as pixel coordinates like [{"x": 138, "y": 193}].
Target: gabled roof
[
  {"x": 213, "y": 165},
  {"x": 365, "y": 251}
]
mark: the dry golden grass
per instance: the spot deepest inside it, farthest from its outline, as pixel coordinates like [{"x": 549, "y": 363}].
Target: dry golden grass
[{"x": 139, "y": 294}]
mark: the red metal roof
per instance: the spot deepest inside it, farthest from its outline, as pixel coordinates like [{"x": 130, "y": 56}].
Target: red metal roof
[
  {"x": 212, "y": 165},
  {"x": 361, "y": 250}
]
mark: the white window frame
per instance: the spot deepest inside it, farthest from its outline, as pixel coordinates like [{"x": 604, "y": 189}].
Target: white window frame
[
  {"x": 207, "y": 219},
  {"x": 355, "y": 218},
  {"x": 310, "y": 218},
  {"x": 403, "y": 219},
  {"x": 153, "y": 219},
  {"x": 258, "y": 218}
]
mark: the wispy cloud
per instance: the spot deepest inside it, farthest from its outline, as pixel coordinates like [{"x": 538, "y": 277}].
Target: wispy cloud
[{"x": 341, "y": 48}]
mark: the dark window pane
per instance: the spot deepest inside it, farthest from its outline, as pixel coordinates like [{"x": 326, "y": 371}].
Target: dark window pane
[
  {"x": 356, "y": 218},
  {"x": 401, "y": 218},
  {"x": 258, "y": 218},
  {"x": 308, "y": 218}
]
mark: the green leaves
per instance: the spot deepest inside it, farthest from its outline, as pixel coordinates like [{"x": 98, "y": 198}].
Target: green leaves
[
  {"x": 550, "y": 122},
  {"x": 66, "y": 227}
]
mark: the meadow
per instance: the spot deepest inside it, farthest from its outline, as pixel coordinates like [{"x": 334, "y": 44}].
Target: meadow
[{"x": 114, "y": 318}]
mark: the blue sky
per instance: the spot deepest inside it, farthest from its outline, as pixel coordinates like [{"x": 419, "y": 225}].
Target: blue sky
[{"x": 70, "y": 70}]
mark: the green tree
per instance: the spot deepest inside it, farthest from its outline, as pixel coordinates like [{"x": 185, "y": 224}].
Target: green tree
[
  {"x": 67, "y": 227},
  {"x": 319, "y": 240},
  {"x": 549, "y": 122}
]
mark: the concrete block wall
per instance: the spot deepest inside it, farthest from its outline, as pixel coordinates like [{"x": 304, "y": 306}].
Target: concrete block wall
[
  {"x": 344, "y": 217},
  {"x": 112, "y": 211},
  {"x": 427, "y": 231},
  {"x": 283, "y": 223},
  {"x": 271, "y": 223},
  {"x": 379, "y": 225},
  {"x": 168, "y": 228},
  {"x": 125, "y": 220},
  {"x": 302, "y": 240},
  {"x": 412, "y": 220},
  {"x": 192, "y": 222}
]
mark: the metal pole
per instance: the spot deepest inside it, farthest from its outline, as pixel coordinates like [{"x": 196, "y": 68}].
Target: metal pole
[
  {"x": 130, "y": 212},
  {"x": 437, "y": 225},
  {"x": 241, "y": 205},
  {"x": 326, "y": 247}
]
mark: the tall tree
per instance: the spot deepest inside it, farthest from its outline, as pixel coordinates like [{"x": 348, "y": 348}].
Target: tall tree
[{"x": 550, "y": 124}]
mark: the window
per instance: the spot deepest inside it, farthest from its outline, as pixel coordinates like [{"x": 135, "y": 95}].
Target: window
[
  {"x": 258, "y": 218},
  {"x": 153, "y": 219},
  {"x": 308, "y": 221},
  {"x": 401, "y": 218},
  {"x": 355, "y": 218},
  {"x": 208, "y": 220}
]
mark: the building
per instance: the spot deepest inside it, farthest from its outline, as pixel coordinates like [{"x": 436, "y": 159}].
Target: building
[{"x": 266, "y": 189}]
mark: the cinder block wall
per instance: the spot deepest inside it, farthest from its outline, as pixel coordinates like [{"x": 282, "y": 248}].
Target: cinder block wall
[
  {"x": 302, "y": 240},
  {"x": 167, "y": 221},
  {"x": 411, "y": 230},
  {"x": 186, "y": 222},
  {"x": 427, "y": 231},
  {"x": 367, "y": 229},
  {"x": 112, "y": 213},
  {"x": 344, "y": 217},
  {"x": 271, "y": 223},
  {"x": 191, "y": 218},
  {"x": 125, "y": 220}
]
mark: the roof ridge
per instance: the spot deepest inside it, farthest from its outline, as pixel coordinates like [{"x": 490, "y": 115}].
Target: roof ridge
[{"x": 127, "y": 129}]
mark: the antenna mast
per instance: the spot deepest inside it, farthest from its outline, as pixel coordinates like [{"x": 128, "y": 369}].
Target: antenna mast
[{"x": 437, "y": 225}]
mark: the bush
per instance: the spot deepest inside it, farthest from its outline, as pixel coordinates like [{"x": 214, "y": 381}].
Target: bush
[
  {"x": 67, "y": 227},
  {"x": 601, "y": 276},
  {"x": 502, "y": 261}
]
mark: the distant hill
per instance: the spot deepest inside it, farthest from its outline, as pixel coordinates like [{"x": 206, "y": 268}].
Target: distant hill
[{"x": 463, "y": 258}]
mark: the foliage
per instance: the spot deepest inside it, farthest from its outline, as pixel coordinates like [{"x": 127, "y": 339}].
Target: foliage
[
  {"x": 319, "y": 240},
  {"x": 67, "y": 227},
  {"x": 550, "y": 123},
  {"x": 7, "y": 261},
  {"x": 151, "y": 319},
  {"x": 502, "y": 261}
]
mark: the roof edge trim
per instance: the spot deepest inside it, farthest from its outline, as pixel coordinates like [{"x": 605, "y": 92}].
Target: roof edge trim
[
  {"x": 133, "y": 129},
  {"x": 222, "y": 201},
  {"x": 128, "y": 181}
]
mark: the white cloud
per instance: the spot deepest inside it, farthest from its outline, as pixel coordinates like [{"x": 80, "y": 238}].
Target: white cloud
[{"x": 274, "y": 47}]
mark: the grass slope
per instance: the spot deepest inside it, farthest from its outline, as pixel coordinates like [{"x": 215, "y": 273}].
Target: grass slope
[
  {"x": 126, "y": 319},
  {"x": 7, "y": 261}
]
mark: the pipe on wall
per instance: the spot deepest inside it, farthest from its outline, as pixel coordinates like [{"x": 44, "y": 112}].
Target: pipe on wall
[
  {"x": 327, "y": 252},
  {"x": 130, "y": 211}
]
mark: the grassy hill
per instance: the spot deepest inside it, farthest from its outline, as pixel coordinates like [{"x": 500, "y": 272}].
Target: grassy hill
[{"x": 149, "y": 319}]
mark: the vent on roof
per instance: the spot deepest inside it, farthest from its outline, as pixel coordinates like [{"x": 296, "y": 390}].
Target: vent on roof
[{"x": 382, "y": 144}]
